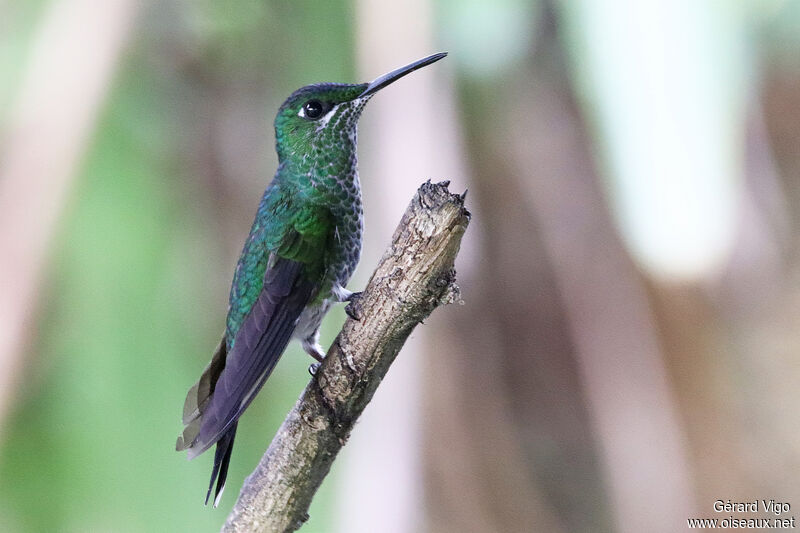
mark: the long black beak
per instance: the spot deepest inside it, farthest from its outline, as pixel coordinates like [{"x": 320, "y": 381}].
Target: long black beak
[{"x": 381, "y": 82}]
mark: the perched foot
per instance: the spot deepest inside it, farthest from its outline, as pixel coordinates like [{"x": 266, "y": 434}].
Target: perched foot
[
  {"x": 312, "y": 347},
  {"x": 340, "y": 293},
  {"x": 353, "y": 308}
]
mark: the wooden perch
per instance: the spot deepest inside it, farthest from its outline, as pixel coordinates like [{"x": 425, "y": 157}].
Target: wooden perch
[{"x": 415, "y": 275}]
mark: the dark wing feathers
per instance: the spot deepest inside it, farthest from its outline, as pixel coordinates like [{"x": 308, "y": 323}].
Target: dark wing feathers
[
  {"x": 229, "y": 383},
  {"x": 258, "y": 345}
]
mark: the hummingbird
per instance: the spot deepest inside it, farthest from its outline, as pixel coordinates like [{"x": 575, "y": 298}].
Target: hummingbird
[{"x": 302, "y": 248}]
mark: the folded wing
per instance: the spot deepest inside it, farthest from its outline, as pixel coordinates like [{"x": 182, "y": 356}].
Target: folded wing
[{"x": 256, "y": 349}]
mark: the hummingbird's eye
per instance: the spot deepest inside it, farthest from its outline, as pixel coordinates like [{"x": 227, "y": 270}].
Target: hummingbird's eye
[{"x": 313, "y": 109}]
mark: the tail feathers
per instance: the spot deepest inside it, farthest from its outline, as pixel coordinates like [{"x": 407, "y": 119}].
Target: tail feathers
[
  {"x": 197, "y": 401},
  {"x": 222, "y": 457}
]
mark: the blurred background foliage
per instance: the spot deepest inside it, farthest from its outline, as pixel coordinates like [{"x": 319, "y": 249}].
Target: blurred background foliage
[{"x": 627, "y": 349}]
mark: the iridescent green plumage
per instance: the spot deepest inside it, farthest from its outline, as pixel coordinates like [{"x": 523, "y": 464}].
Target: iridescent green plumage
[
  {"x": 314, "y": 197},
  {"x": 303, "y": 246}
]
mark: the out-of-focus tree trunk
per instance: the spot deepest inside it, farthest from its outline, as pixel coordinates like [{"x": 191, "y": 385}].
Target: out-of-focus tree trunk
[
  {"x": 731, "y": 345},
  {"x": 681, "y": 382},
  {"x": 509, "y": 443},
  {"x": 558, "y": 409}
]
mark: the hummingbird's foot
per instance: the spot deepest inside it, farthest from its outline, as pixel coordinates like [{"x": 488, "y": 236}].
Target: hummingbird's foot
[
  {"x": 340, "y": 293},
  {"x": 313, "y": 367},
  {"x": 311, "y": 347},
  {"x": 353, "y": 308}
]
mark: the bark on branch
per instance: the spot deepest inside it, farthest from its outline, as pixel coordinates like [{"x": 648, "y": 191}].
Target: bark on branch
[{"x": 415, "y": 275}]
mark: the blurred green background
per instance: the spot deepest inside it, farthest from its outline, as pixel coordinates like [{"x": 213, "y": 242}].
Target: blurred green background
[{"x": 627, "y": 349}]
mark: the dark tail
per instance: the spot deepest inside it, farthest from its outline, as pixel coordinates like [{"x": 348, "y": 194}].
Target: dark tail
[{"x": 222, "y": 457}]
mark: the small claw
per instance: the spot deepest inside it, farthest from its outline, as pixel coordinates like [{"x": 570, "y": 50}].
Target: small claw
[
  {"x": 313, "y": 367},
  {"x": 353, "y": 308},
  {"x": 464, "y": 195}
]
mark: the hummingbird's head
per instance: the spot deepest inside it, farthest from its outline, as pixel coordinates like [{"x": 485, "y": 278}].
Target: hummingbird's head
[
  {"x": 316, "y": 115},
  {"x": 324, "y": 116}
]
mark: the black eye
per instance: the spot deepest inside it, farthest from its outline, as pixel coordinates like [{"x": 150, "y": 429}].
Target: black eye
[{"x": 313, "y": 109}]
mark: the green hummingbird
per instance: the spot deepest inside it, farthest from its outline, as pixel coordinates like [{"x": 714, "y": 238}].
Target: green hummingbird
[{"x": 303, "y": 246}]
